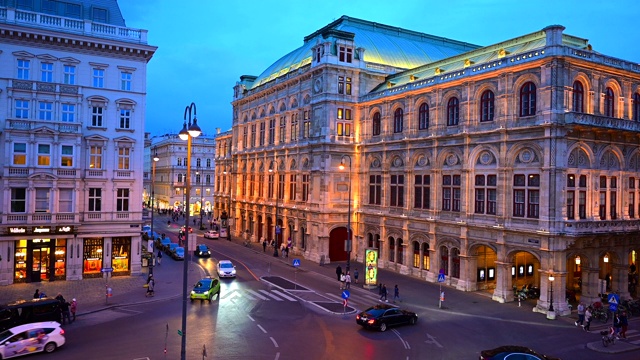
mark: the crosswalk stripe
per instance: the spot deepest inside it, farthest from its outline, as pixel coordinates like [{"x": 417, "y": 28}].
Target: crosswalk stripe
[
  {"x": 284, "y": 295},
  {"x": 257, "y": 294},
  {"x": 265, "y": 292},
  {"x": 246, "y": 296}
]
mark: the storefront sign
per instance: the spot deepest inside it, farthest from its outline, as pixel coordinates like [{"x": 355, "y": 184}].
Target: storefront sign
[
  {"x": 45, "y": 230},
  {"x": 64, "y": 229},
  {"x": 17, "y": 230}
]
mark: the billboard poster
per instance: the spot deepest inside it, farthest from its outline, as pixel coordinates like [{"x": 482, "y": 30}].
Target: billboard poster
[
  {"x": 371, "y": 267},
  {"x": 223, "y": 232}
]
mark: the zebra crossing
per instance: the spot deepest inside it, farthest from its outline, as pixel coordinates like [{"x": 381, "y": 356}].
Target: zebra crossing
[{"x": 286, "y": 296}]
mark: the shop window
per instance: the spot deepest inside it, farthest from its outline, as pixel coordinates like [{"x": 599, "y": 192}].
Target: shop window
[
  {"x": 513, "y": 271},
  {"x": 120, "y": 255},
  {"x": 520, "y": 270},
  {"x": 492, "y": 274},
  {"x": 529, "y": 269},
  {"x": 93, "y": 257},
  {"x": 20, "y": 274},
  {"x": 481, "y": 275},
  {"x": 60, "y": 256},
  {"x": 426, "y": 260}
]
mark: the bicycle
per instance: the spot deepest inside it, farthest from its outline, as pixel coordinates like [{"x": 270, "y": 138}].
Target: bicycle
[{"x": 608, "y": 337}]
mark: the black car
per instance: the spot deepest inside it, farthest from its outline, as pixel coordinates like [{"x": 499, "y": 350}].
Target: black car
[
  {"x": 380, "y": 317},
  {"x": 513, "y": 352},
  {"x": 202, "y": 250}
]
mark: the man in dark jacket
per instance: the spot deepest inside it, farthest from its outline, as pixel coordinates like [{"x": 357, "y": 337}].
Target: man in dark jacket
[{"x": 338, "y": 272}]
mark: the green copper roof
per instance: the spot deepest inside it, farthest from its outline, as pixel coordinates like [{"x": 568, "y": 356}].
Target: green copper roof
[{"x": 384, "y": 45}]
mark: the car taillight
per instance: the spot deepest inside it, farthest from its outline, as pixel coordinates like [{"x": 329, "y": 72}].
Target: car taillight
[
  {"x": 358, "y": 317},
  {"x": 61, "y": 331},
  {"x": 371, "y": 322}
]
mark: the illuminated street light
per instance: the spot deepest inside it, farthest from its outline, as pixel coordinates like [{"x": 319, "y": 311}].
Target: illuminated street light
[
  {"x": 347, "y": 245},
  {"x": 153, "y": 183},
  {"x": 187, "y": 133},
  {"x": 276, "y": 184}
]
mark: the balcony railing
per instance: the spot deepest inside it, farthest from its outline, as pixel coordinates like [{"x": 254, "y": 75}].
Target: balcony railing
[
  {"x": 33, "y": 219},
  {"x": 601, "y": 121}
]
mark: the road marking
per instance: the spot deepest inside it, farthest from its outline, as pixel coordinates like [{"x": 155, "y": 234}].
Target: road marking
[
  {"x": 261, "y": 328},
  {"x": 284, "y": 295},
  {"x": 270, "y": 295},
  {"x": 340, "y": 299},
  {"x": 257, "y": 294},
  {"x": 432, "y": 340},
  {"x": 246, "y": 296},
  {"x": 273, "y": 341},
  {"x": 404, "y": 343}
]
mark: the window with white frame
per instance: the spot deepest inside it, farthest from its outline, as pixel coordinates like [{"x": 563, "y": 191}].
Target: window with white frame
[
  {"x": 124, "y": 157},
  {"x": 576, "y": 192},
  {"x": 344, "y": 85},
  {"x": 44, "y": 155},
  {"x": 45, "y": 110},
  {"x": 95, "y": 157},
  {"x": 19, "y": 154},
  {"x": 46, "y": 72},
  {"x": 125, "y": 119},
  {"x": 486, "y": 194},
  {"x": 125, "y": 80},
  {"x": 66, "y": 158},
  {"x": 179, "y": 162},
  {"x": 179, "y": 177},
  {"x": 345, "y": 54},
  {"x": 396, "y": 191},
  {"x": 42, "y": 200},
  {"x": 18, "y": 200},
  {"x": 98, "y": 78},
  {"x": 95, "y": 199},
  {"x": 422, "y": 192},
  {"x": 208, "y": 163},
  {"x": 68, "y": 112},
  {"x": 526, "y": 195},
  {"x": 451, "y": 192},
  {"x": 65, "y": 200},
  {"x": 24, "y": 68},
  {"x": 70, "y": 74},
  {"x": 122, "y": 200},
  {"x": 22, "y": 109},
  {"x": 97, "y": 116}
]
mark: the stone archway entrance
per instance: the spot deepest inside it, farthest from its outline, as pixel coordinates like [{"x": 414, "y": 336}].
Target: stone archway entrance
[{"x": 337, "y": 239}]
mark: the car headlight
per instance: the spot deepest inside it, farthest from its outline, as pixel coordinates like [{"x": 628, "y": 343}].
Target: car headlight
[
  {"x": 233, "y": 272},
  {"x": 193, "y": 292}
]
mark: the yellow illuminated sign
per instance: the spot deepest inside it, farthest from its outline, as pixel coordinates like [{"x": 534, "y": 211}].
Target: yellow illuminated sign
[{"x": 371, "y": 267}]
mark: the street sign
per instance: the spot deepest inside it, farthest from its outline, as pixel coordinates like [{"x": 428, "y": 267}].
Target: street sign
[
  {"x": 614, "y": 301},
  {"x": 106, "y": 270},
  {"x": 440, "y": 278},
  {"x": 296, "y": 262},
  {"x": 180, "y": 332},
  {"x": 278, "y": 231},
  {"x": 345, "y": 294}
]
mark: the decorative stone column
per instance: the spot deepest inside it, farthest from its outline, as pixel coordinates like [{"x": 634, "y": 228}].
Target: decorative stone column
[{"x": 504, "y": 290}]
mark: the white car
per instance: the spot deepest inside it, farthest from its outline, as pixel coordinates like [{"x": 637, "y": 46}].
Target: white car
[
  {"x": 226, "y": 269},
  {"x": 31, "y": 338},
  {"x": 211, "y": 234}
]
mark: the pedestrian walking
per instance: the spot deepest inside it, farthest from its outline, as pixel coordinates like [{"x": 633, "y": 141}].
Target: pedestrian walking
[
  {"x": 338, "y": 271},
  {"x": 159, "y": 257},
  {"x": 587, "y": 319},
  {"x": 36, "y": 295},
  {"x": 580, "y": 314},
  {"x": 383, "y": 293},
  {"x": 73, "y": 308},
  {"x": 396, "y": 294},
  {"x": 66, "y": 314},
  {"x": 347, "y": 281},
  {"x": 355, "y": 275},
  {"x": 343, "y": 279},
  {"x": 624, "y": 322},
  {"x": 264, "y": 245},
  {"x": 286, "y": 252},
  {"x": 617, "y": 325}
]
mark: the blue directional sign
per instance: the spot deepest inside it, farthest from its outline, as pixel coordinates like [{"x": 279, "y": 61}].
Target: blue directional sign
[
  {"x": 278, "y": 231},
  {"x": 296, "y": 262},
  {"x": 614, "y": 301},
  {"x": 104, "y": 270},
  {"x": 440, "y": 277},
  {"x": 345, "y": 294}
]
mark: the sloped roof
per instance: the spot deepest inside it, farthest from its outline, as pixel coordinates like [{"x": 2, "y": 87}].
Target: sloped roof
[
  {"x": 383, "y": 44},
  {"x": 114, "y": 16}
]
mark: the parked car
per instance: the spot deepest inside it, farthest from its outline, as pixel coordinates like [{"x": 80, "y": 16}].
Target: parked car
[
  {"x": 513, "y": 352},
  {"x": 226, "y": 269},
  {"x": 178, "y": 253},
  {"x": 27, "y": 311},
  {"x": 169, "y": 249},
  {"x": 146, "y": 229},
  {"x": 202, "y": 250},
  {"x": 163, "y": 243},
  {"x": 31, "y": 338},
  {"x": 211, "y": 234},
  {"x": 205, "y": 289},
  {"x": 381, "y": 317}
]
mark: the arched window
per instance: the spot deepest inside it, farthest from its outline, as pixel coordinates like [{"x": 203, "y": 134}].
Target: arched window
[
  {"x": 486, "y": 106},
  {"x": 416, "y": 254},
  {"x": 370, "y": 241},
  {"x": 400, "y": 252},
  {"x": 179, "y": 177},
  {"x": 608, "y": 102},
  {"x": 455, "y": 263},
  {"x": 636, "y": 107},
  {"x": 453, "y": 112},
  {"x": 423, "y": 116},
  {"x": 397, "y": 120},
  {"x": 578, "y": 97},
  {"x": 444, "y": 260},
  {"x": 426, "y": 260},
  {"x": 376, "y": 124},
  {"x": 392, "y": 247},
  {"x": 528, "y": 99}
]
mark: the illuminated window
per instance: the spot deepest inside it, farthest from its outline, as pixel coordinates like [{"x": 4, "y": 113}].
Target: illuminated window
[
  {"x": 66, "y": 159},
  {"x": 19, "y": 154},
  {"x": 44, "y": 155},
  {"x": 95, "y": 157}
]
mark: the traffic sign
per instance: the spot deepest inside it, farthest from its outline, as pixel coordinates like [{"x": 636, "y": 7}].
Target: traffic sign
[
  {"x": 296, "y": 262},
  {"x": 345, "y": 294},
  {"x": 614, "y": 301},
  {"x": 440, "y": 278},
  {"x": 278, "y": 231},
  {"x": 104, "y": 270},
  {"x": 180, "y": 332}
]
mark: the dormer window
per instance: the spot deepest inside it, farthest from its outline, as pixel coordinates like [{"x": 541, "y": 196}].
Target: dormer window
[
  {"x": 319, "y": 53},
  {"x": 345, "y": 54}
]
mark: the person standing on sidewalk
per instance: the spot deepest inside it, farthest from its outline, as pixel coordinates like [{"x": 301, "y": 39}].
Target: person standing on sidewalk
[
  {"x": 73, "y": 308},
  {"x": 264, "y": 245},
  {"x": 355, "y": 275},
  {"x": 587, "y": 318},
  {"x": 624, "y": 322},
  {"x": 347, "y": 281},
  {"x": 580, "y": 314},
  {"x": 338, "y": 272},
  {"x": 383, "y": 293},
  {"x": 159, "y": 257},
  {"x": 617, "y": 325}
]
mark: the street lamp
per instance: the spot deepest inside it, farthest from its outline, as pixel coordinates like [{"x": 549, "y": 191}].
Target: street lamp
[
  {"x": 201, "y": 195},
  {"x": 276, "y": 184},
  {"x": 347, "y": 245},
  {"x": 153, "y": 184},
  {"x": 187, "y": 133},
  {"x": 550, "y": 314},
  {"x": 228, "y": 219}
]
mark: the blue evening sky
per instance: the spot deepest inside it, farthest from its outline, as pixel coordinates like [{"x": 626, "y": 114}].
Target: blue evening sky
[{"x": 204, "y": 46}]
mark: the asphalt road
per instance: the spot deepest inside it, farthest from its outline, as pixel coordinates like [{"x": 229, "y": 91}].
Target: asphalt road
[{"x": 253, "y": 319}]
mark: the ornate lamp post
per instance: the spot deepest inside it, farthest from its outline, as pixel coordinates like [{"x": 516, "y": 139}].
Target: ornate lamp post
[
  {"x": 188, "y": 132},
  {"x": 347, "y": 245},
  {"x": 551, "y": 313},
  {"x": 153, "y": 195},
  {"x": 276, "y": 184}
]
